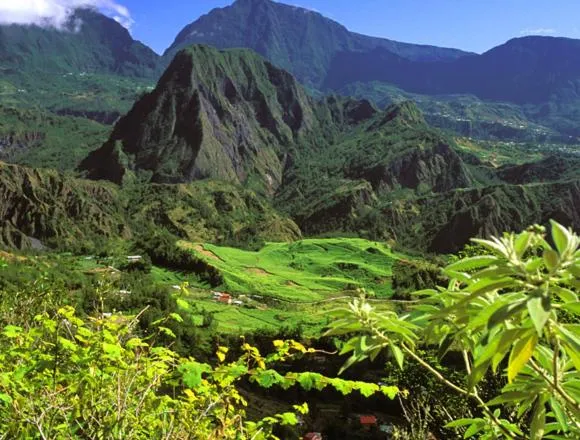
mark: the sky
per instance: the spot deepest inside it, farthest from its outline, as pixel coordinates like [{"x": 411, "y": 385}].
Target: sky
[{"x": 472, "y": 25}]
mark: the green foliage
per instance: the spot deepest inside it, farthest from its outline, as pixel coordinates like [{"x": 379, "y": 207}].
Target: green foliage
[
  {"x": 502, "y": 311},
  {"x": 65, "y": 377},
  {"x": 40, "y": 139}
]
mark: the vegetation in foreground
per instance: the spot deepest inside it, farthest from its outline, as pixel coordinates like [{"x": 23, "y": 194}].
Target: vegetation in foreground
[{"x": 510, "y": 313}]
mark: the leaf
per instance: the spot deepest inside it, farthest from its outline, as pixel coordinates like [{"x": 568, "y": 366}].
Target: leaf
[
  {"x": 168, "y": 332},
  {"x": 521, "y": 243},
  {"x": 398, "y": 354},
  {"x": 509, "y": 397},
  {"x": 561, "y": 237},
  {"x": 539, "y": 309},
  {"x": 391, "y": 392},
  {"x": 559, "y": 414},
  {"x": 192, "y": 373},
  {"x": 112, "y": 350},
  {"x": 267, "y": 378},
  {"x": 12, "y": 331},
  {"x": 472, "y": 263},
  {"x": 474, "y": 429},
  {"x": 520, "y": 355},
  {"x": 288, "y": 419},
  {"x": 572, "y": 307},
  {"x": 67, "y": 344},
  {"x": 552, "y": 259},
  {"x": 182, "y": 304},
  {"x": 565, "y": 295},
  {"x": 504, "y": 313},
  {"x": 176, "y": 317}
]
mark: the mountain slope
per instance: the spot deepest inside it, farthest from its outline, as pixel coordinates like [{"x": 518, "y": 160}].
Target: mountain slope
[
  {"x": 226, "y": 115},
  {"x": 296, "y": 39},
  {"x": 46, "y": 208},
  {"x": 527, "y": 70},
  {"x": 91, "y": 43}
]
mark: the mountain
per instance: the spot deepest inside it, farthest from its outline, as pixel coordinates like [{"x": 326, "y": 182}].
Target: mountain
[
  {"x": 92, "y": 68},
  {"x": 528, "y": 70},
  {"x": 90, "y": 43},
  {"x": 298, "y": 40},
  {"x": 228, "y": 115},
  {"x": 333, "y": 166}
]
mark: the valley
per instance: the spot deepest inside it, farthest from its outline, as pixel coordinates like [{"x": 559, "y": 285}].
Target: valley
[{"x": 279, "y": 215}]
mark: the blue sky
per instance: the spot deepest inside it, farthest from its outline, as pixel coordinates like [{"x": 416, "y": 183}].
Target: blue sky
[{"x": 474, "y": 25}]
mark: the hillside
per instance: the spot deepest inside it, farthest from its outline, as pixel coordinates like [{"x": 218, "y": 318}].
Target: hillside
[
  {"x": 296, "y": 39},
  {"x": 41, "y": 139},
  {"x": 331, "y": 165},
  {"x": 44, "y": 208},
  {"x": 92, "y": 69},
  {"x": 90, "y": 43}
]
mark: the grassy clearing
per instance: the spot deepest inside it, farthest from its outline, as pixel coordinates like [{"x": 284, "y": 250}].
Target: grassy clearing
[{"x": 304, "y": 271}]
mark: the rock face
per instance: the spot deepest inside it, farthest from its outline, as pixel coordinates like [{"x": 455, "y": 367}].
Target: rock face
[
  {"x": 44, "y": 205},
  {"x": 445, "y": 223},
  {"x": 297, "y": 39},
  {"x": 227, "y": 115}
]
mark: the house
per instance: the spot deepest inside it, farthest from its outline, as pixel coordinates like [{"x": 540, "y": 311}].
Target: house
[
  {"x": 313, "y": 436},
  {"x": 225, "y": 298},
  {"x": 237, "y": 302},
  {"x": 368, "y": 421},
  {"x": 134, "y": 258}
]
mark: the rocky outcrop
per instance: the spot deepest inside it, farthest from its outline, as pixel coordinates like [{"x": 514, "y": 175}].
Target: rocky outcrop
[
  {"x": 225, "y": 115},
  {"x": 45, "y": 205}
]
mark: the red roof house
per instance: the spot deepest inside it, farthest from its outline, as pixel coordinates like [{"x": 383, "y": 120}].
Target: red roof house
[{"x": 368, "y": 421}]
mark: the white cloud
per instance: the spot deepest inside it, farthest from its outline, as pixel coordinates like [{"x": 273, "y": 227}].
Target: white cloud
[
  {"x": 536, "y": 31},
  {"x": 55, "y": 13}
]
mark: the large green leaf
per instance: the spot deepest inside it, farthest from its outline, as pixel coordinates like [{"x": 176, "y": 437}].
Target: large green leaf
[
  {"x": 520, "y": 355},
  {"x": 539, "y": 309}
]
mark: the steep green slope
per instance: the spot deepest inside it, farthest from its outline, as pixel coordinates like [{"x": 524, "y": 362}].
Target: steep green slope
[
  {"x": 227, "y": 115},
  {"x": 41, "y": 139},
  {"x": 304, "y": 271},
  {"x": 299, "y": 40},
  {"x": 91, "y": 43},
  {"x": 56, "y": 210}
]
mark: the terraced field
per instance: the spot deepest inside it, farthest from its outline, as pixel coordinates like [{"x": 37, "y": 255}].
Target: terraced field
[{"x": 305, "y": 271}]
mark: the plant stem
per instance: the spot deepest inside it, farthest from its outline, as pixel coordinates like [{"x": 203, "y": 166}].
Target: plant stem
[
  {"x": 460, "y": 390},
  {"x": 556, "y": 386}
]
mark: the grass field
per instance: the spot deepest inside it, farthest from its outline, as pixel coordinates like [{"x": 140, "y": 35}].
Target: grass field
[
  {"x": 283, "y": 285},
  {"x": 304, "y": 271}
]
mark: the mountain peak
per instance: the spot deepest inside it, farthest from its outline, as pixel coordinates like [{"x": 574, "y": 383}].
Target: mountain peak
[
  {"x": 90, "y": 42},
  {"x": 226, "y": 115},
  {"x": 299, "y": 40}
]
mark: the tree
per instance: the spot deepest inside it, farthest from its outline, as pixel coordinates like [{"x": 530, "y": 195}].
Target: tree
[{"x": 513, "y": 312}]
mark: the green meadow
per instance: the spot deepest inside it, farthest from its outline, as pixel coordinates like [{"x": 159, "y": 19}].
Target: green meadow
[{"x": 304, "y": 271}]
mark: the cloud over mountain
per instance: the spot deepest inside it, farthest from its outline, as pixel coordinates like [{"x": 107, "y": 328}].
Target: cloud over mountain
[{"x": 55, "y": 13}]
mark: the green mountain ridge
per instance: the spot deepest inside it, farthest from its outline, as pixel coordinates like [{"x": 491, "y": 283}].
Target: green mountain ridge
[
  {"x": 90, "y": 43},
  {"x": 532, "y": 75},
  {"x": 229, "y": 115},
  {"x": 336, "y": 165},
  {"x": 47, "y": 208}
]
